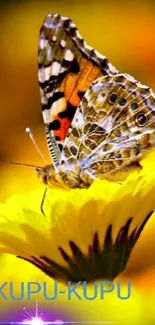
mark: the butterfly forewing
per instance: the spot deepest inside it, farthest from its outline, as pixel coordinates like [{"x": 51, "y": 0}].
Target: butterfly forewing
[{"x": 67, "y": 67}]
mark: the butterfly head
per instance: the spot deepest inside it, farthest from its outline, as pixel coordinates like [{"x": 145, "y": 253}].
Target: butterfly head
[{"x": 47, "y": 175}]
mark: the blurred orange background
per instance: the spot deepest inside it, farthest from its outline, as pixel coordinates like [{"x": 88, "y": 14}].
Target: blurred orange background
[{"x": 122, "y": 31}]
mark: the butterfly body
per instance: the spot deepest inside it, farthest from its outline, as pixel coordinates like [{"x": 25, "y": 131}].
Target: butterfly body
[{"x": 99, "y": 123}]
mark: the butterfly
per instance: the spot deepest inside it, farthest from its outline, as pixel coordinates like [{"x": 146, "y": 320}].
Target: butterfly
[{"x": 99, "y": 123}]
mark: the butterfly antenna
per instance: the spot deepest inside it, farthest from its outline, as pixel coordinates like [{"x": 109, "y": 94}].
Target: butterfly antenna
[
  {"x": 29, "y": 132},
  {"x": 20, "y": 164}
]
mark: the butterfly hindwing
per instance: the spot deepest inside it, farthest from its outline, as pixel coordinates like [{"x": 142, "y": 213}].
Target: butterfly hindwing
[
  {"x": 113, "y": 126},
  {"x": 66, "y": 67}
]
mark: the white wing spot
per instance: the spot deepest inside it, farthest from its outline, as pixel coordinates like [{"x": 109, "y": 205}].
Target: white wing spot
[
  {"x": 108, "y": 124},
  {"x": 42, "y": 40},
  {"x": 99, "y": 55},
  {"x": 41, "y": 75},
  {"x": 89, "y": 48},
  {"x": 63, "y": 43},
  {"x": 130, "y": 78},
  {"x": 142, "y": 86},
  {"x": 68, "y": 55},
  {"x": 49, "y": 53},
  {"x": 78, "y": 35},
  {"x": 47, "y": 73},
  {"x": 59, "y": 105},
  {"x": 64, "y": 18},
  {"x": 96, "y": 87},
  {"x": 41, "y": 43},
  {"x": 54, "y": 38},
  {"x": 55, "y": 69},
  {"x": 72, "y": 24},
  {"x": 100, "y": 98}
]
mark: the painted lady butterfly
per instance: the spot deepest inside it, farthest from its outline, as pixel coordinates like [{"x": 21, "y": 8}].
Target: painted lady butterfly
[{"x": 98, "y": 122}]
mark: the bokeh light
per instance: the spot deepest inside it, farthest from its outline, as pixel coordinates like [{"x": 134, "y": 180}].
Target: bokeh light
[{"x": 34, "y": 321}]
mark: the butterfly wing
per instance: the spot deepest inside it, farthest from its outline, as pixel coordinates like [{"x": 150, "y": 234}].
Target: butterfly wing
[
  {"x": 113, "y": 127},
  {"x": 66, "y": 68}
]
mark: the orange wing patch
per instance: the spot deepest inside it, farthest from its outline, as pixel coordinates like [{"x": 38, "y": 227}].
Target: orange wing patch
[{"x": 74, "y": 87}]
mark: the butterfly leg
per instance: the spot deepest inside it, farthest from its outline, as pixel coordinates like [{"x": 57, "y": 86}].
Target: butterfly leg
[
  {"x": 91, "y": 176},
  {"x": 42, "y": 202},
  {"x": 87, "y": 177}
]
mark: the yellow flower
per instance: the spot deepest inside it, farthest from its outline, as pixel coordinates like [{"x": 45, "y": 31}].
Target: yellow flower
[{"x": 83, "y": 235}]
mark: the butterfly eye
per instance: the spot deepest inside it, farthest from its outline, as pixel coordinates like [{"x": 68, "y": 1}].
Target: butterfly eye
[
  {"x": 112, "y": 99},
  {"x": 45, "y": 179},
  {"x": 141, "y": 119}
]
